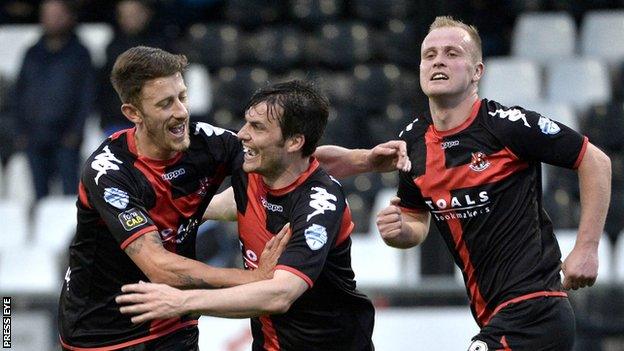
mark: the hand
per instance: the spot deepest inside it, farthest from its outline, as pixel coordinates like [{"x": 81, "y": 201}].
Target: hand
[
  {"x": 390, "y": 221},
  {"x": 389, "y": 156},
  {"x": 272, "y": 251},
  {"x": 580, "y": 268},
  {"x": 151, "y": 301}
]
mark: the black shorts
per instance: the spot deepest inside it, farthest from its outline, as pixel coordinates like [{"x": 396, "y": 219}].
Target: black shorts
[
  {"x": 185, "y": 339},
  {"x": 540, "y": 324}
]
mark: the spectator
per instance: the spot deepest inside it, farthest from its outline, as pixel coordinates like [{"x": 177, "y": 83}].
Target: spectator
[{"x": 54, "y": 95}]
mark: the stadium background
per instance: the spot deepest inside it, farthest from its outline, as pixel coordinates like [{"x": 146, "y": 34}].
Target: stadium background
[{"x": 564, "y": 58}]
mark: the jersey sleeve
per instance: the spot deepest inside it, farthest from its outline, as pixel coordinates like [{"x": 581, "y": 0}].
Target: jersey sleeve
[
  {"x": 409, "y": 193},
  {"x": 533, "y": 137},
  {"x": 114, "y": 194},
  {"x": 223, "y": 145},
  {"x": 315, "y": 222}
]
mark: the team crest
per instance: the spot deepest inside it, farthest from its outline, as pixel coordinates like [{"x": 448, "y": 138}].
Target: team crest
[
  {"x": 478, "y": 345},
  {"x": 316, "y": 236},
  {"x": 479, "y": 162}
]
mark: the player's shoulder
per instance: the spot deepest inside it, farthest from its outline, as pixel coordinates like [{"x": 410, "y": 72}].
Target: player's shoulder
[
  {"x": 497, "y": 115},
  {"x": 207, "y": 131},
  {"x": 415, "y": 129},
  {"x": 320, "y": 183},
  {"x": 112, "y": 157}
]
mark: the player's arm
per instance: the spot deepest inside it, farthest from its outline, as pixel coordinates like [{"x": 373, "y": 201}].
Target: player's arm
[
  {"x": 580, "y": 268},
  {"x": 402, "y": 229},
  {"x": 157, "y": 301},
  {"x": 222, "y": 207},
  {"x": 341, "y": 162},
  {"x": 162, "y": 266}
]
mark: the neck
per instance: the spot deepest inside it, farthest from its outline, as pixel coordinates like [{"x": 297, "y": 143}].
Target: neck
[
  {"x": 451, "y": 113},
  {"x": 146, "y": 148},
  {"x": 295, "y": 167},
  {"x": 55, "y": 42}
]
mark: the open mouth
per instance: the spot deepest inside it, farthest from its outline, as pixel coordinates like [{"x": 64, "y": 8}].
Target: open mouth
[
  {"x": 439, "y": 76},
  {"x": 178, "y": 130},
  {"x": 249, "y": 153}
]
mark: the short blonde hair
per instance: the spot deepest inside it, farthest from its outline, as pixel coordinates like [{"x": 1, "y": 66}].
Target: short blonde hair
[{"x": 448, "y": 21}]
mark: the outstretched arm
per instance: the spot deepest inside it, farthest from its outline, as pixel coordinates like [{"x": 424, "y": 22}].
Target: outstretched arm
[
  {"x": 157, "y": 301},
  {"x": 580, "y": 268},
  {"x": 341, "y": 162},
  {"x": 222, "y": 207},
  {"x": 402, "y": 229}
]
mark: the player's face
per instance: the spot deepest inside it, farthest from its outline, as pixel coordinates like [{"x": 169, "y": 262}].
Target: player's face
[
  {"x": 263, "y": 142},
  {"x": 165, "y": 116},
  {"x": 447, "y": 66}
]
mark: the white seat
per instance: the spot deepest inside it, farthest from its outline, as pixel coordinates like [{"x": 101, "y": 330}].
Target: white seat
[
  {"x": 558, "y": 112},
  {"x": 14, "y": 216},
  {"x": 199, "y": 89},
  {"x": 511, "y": 81},
  {"x": 29, "y": 270},
  {"x": 544, "y": 37},
  {"x": 30, "y": 330},
  {"x": 618, "y": 259},
  {"x": 602, "y": 35},
  {"x": 19, "y": 183},
  {"x": 95, "y": 37},
  {"x": 579, "y": 82},
  {"x": 55, "y": 222},
  {"x": 567, "y": 238},
  {"x": 16, "y": 39}
]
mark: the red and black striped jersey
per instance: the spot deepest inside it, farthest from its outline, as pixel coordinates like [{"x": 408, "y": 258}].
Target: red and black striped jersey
[
  {"x": 121, "y": 197},
  {"x": 481, "y": 183},
  {"x": 331, "y": 314}
]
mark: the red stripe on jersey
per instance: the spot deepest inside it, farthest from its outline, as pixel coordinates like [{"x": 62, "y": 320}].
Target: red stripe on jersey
[
  {"x": 118, "y": 133},
  {"x": 82, "y": 196},
  {"x": 346, "y": 227},
  {"x": 579, "y": 159},
  {"x": 270, "y": 336},
  {"x": 296, "y": 272},
  {"x": 131, "y": 342},
  {"x": 252, "y": 225},
  {"x": 524, "y": 298},
  {"x": 134, "y": 236},
  {"x": 503, "y": 342}
]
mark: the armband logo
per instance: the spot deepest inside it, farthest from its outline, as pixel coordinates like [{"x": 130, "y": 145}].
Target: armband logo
[
  {"x": 209, "y": 129},
  {"x": 512, "y": 114},
  {"x": 320, "y": 202},
  {"x": 116, "y": 198},
  {"x": 103, "y": 162},
  {"x": 478, "y": 345},
  {"x": 547, "y": 126},
  {"x": 316, "y": 236},
  {"x": 131, "y": 219}
]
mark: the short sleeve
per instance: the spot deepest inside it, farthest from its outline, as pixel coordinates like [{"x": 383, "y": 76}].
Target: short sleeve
[
  {"x": 533, "y": 137},
  {"x": 223, "y": 145},
  {"x": 410, "y": 195},
  {"x": 315, "y": 222},
  {"x": 115, "y": 195}
]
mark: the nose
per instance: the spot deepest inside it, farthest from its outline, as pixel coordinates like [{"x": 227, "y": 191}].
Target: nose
[
  {"x": 242, "y": 133},
  {"x": 181, "y": 110}
]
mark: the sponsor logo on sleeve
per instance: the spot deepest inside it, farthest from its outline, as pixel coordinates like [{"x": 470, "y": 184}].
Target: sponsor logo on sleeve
[
  {"x": 209, "y": 129},
  {"x": 116, "y": 198},
  {"x": 512, "y": 115},
  {"x": 132, "y": 219},
  {"x": 103, "y": 162},
  {"x": 548, "y": 126},
  {"x": 320, "y": 202},
  {"x": 478, "y": 345},
  {"x": 316, "y": 236}
]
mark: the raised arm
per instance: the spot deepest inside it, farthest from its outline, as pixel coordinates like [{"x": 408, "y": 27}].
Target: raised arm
[
  {"x": 402, "y": 229},
  {"x": 222, "y": 207},
  {"x": 157, "y": 301},
  {"x": 580, "y": 268},
  {"x": 341, "y": 162},
  {"x": 162, "y": 266}
]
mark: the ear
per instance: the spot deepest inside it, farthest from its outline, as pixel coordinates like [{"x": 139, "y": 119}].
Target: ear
[
  {"x": 295, "y": 143},
  {"x": 479, "y": 69},
  {"x": 132, "y": 113}
]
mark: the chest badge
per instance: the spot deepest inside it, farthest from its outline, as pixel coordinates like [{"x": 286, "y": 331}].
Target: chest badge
[{"x": 479, "y": 162}]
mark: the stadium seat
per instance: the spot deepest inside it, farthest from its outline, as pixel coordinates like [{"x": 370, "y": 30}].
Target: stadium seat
[
  {"x": 580, "y": 82},
  {"x": 561, "y": 198},
  {"x": 96, "y": 36},
  {"x": 511, "y": 81},
  {"x": 16, "y": 39},
  {"x": 277, "y": 48},
  {"x": 338, "y": 85},
  {"x": 544, "y": 37},
  {"x": 253, "y": 13},
  {"x": 382, "y": 10},
  {"x": 28, "y": 330},
  {"x": 15, "y": 217},
  {"x": 315, "y": 12},
  {"x": 235, "y": 85},
  {"x": 214, "y": 45},
  {"x": 29, "y": 270},
  {"x": 344, "y": 128},
  {"x": 388, "y": 124},
  {"x": 618, "y": 258},
  {"x": 602, "y": 35},
  {"x": 606, "y": 272},
  {"x": 399, "y": 42},
  {"x": 340, "y": 45},
  {"x": 19, "y": 184},
  {"x": 199, "y": 89},
  {"x": 55, "y": 222}
]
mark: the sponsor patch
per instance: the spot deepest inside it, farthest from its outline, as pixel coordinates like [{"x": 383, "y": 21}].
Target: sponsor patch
[
  {"x": 320, "y": 202},
  {"x": 316, "y": 236},
  {"x": 131, "y": 219},
  {"x": 116, "y": 198},
  {"x": 547, "y": 126},
  {"x": 478, "y": 345}
]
